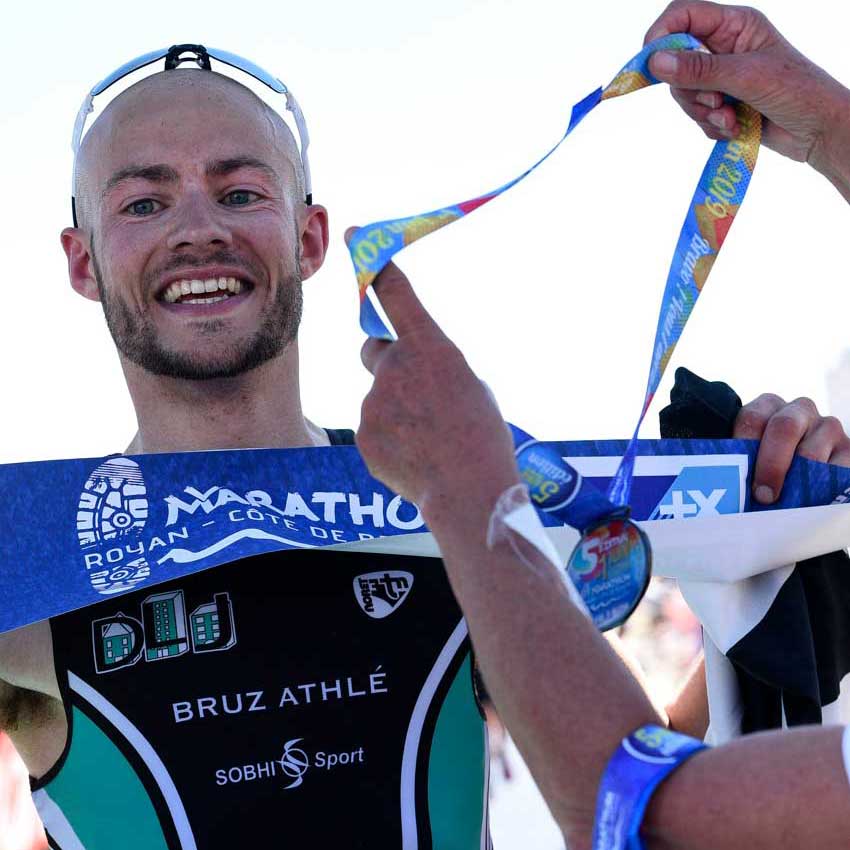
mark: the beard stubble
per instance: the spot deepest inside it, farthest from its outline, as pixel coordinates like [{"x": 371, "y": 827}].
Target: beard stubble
[{"x": 136, "y": 337}]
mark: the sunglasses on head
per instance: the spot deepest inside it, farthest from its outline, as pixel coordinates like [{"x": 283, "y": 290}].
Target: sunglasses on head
[{"x": 175, "y": 56}]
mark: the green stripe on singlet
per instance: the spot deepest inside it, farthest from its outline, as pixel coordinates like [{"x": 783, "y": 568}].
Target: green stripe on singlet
[
  {"x": 456, "y": 771},
  {"x": 101, "y": 795}
]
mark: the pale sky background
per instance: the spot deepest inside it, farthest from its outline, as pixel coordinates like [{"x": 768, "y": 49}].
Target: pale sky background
[{"x": 551, "y": 290}]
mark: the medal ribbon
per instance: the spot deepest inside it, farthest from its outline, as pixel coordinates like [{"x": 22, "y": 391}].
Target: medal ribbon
[{"x": 718, "y": 196}]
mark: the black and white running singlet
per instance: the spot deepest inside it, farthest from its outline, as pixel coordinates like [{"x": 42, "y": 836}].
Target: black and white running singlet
[{"x": 304, "y": 699}]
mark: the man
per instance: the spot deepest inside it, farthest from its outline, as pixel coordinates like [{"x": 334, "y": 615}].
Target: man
[
  {"x": 565, "y": 696},
  {"x": 184, "y": 180},
  {"x": 311, "y": 724}
]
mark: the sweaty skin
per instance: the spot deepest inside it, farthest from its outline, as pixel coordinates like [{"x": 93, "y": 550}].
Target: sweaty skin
[{"x": 186, "y": 175}]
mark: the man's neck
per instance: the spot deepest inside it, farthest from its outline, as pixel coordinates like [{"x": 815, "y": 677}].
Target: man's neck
[{"x": 260, "y": 409}]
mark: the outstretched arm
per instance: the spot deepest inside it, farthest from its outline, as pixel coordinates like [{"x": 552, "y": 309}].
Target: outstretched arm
[
  {"x": 431, "y": 431},
  {"x": 807, "y": 112}
]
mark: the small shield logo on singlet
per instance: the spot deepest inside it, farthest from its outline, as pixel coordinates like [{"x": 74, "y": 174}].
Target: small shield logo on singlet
[{"x": 379, "y": 594}]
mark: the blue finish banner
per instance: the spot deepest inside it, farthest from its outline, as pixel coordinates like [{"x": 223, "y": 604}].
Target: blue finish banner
[{"x": 75, "y": 531}]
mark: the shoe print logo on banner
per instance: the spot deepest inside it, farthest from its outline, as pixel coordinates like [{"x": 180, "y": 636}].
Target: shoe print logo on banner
[{"x": 113, "y": 507}]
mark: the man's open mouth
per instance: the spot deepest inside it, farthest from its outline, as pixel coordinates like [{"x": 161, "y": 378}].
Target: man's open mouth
[{"x": 209, "y": 291}]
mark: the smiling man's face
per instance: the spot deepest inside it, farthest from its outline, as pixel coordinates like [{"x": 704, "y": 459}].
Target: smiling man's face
[{"x": 192, "y": 226}]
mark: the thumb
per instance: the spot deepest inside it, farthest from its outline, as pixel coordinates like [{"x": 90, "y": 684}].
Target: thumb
[{"x": 694, "y": 69}]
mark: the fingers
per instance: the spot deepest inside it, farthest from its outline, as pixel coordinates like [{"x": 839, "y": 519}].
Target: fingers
[
  {"x": 826, "y": 442},
  {"x": 783, "y": 434},
  {"x": 693, "y": 69},
  {"x": 752, "y": 419},
  {"x": 401, "y": 304},
  {"x": 699, "y": 19},
  {"x": 372, "y": 352},
  {"x": 716, "y": 118},
  {"x": 777, "y": 448},
  {"x": 786, "y": 430}
]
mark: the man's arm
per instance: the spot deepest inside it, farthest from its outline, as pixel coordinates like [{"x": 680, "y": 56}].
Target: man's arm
[
  {"x": 807, "y": 112},
  {"x": 431, "y": 431}
]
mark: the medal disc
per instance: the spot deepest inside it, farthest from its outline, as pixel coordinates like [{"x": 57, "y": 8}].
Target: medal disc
[{"x": 610, "y": 567}]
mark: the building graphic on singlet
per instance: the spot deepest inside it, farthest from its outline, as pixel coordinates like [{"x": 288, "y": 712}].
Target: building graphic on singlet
[
  {"x": 212, "y": 625},
  {"x": 164, "y": 631},
  {"x": 117, "y": 642},
  {"x": 164, "y": 617}
]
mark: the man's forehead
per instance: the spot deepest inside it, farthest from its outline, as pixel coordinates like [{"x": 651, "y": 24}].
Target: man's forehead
[{"x": 178, "y": 114}]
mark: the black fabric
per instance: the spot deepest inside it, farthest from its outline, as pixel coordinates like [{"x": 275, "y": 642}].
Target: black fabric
[
  {"x": 247, "y": 716},
  {"x": 798, "y": 654},
  {"x": 795, "y": 657},
  {"x": 699, "y": 409},
  {"x": 340, "y": 436}
]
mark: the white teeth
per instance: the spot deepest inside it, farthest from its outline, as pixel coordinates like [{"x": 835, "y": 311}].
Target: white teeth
[
  {"x": 181, "y": 288},
  {"x": 206, "y": 300}
]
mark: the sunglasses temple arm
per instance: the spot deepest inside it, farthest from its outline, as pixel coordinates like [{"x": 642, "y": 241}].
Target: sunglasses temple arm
[
  {"x": 76, "y": 137},
  {"x": 301, "y": 124}
]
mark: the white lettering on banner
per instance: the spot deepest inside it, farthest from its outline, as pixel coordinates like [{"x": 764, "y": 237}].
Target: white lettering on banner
[
  {"x": 677, "y": 509},
  {"x": 296, "y": 506},
  {"x": 707, "y": 504},
  {"x": 129, "y": 551},
  {"x": 327, "y": 507},
  {"x": 330, "y": 501},
  {"x": 701, "y": 505}
]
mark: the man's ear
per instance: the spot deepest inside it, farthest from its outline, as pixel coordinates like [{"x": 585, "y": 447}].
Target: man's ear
[
  {"x": 75, "y": 243},
  {"x": 314, "y": 239}
]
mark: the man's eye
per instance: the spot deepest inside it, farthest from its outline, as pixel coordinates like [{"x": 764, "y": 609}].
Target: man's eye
[
  {"x": 239, "y": 197},
  {"x": 146, "y": 206}
]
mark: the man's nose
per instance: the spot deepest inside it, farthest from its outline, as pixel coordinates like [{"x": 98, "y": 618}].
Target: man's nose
[{"x": 198, "y": 224}]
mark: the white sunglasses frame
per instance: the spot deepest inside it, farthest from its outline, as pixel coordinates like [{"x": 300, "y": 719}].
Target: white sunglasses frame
[{"x": 173, "y": 58}]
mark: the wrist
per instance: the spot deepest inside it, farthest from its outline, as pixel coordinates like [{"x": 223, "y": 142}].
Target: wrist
[
  {"x": 830, "y": 154},
  {"x": 447, "y": 503}
]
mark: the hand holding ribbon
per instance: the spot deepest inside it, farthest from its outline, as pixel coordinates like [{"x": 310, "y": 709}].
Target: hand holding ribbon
[{"x": 718, "y": 196}]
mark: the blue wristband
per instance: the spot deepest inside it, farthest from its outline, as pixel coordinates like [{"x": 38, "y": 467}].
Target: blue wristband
[{"x": 640, "y": 763}]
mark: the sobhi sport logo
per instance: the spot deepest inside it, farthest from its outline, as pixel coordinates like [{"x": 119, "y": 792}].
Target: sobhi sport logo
[{"x": 292, "y": 766}]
